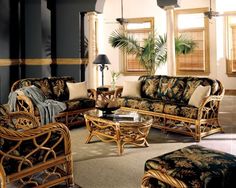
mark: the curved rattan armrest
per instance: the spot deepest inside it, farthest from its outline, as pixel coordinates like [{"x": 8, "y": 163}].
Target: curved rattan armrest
[
  {"x": 92, "y": 93},
  {"x": 31, "y": 133},
  {"x": 23, "y": 120},
  {"x": 163, "y": 177},
  {"x": 24, "y": 103},
  {"x": 211, "y": 98},
  {"x": 2, "y": 177},
  {"x": 49, "y": 144},
  {"x": 218, "y": 97},
  {"x": 118, "y": 92}
]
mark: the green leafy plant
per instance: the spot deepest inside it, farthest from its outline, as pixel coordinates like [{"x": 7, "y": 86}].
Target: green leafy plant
[{"x": 152, "y": 51}]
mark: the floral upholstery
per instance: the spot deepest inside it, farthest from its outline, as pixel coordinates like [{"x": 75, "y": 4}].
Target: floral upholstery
[
  {"x": 189, "y": 112},
  {"x": 11, "y": 164},
  {"x": 170, "y": 88},
  {"x": 196, "y": 166},
  {"x": 149, "y": 86},
  {"x": 59, "y": 87},
  {"x": 142, "y": 104},
  {"x": 41, "y": 83},
  {"x": 55, "y": 88},
  {"x": 174, "y": 89},
  {"x": 33, "y": 156},
  {"x": 167, "y": 97},
  {"x": 79, "y": 104},
  {"x": 170, "y": 95}
]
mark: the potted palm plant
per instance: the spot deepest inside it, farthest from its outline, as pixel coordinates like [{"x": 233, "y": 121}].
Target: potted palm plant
[{"x": 153, "y": 52}]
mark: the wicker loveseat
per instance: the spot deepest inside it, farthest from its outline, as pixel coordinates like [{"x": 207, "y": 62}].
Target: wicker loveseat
[
  {"x": 55, "y": 88},
  {"x": 166, "y": 98},
  {"x": 32, "y": 155}
]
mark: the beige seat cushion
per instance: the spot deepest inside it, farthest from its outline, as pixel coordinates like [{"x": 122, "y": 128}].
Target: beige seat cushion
[
  {"x": 77, "y": 90},
  {"x": 131, "y": 89},
  {"x": 199, "y": 94}
]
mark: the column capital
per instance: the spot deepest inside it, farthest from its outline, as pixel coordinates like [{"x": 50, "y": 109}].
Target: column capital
[
  {"x": 169, "y": 7},
  {"x": 91, "y": 13}
]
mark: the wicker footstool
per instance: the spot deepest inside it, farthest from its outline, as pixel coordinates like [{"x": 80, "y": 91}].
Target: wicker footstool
[{"x": 192, "y": 166}]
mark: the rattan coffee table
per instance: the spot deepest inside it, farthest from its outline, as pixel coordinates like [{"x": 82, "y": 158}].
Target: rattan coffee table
[{"x": 122, "y": 127}]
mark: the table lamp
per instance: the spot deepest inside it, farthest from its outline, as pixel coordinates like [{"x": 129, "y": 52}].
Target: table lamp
[{"x": 102, "y": 61}]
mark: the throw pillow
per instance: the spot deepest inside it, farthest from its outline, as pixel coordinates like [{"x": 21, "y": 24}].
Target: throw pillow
[
  {"x": 199, "y": 94},
  {"x": 131, "y": 89},
  {"x": 77, "y": 90}
]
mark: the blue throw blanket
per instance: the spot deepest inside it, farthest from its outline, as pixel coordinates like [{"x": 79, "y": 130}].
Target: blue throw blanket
[{"x": 48, "y": 108}]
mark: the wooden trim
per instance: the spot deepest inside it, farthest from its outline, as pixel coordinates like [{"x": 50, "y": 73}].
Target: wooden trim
[
  {"x": 45, "y": 61},
  {"x": 191, "y": 11},
  {"x": 124, "y": 58},
  {"x": 9, "y": 62},
  {"x": 230, "y": 92},
  {"x": 206, "y": 71},
  {"x": 70, "y": 61},
  {"x": 229, "y": 71}
]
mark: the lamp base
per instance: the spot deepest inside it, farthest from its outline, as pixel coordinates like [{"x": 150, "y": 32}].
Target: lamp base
[{"x": 102, "y": 88}]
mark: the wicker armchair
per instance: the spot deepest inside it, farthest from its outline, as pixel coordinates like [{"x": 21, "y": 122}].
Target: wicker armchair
[{"x": 32, "y": 155}]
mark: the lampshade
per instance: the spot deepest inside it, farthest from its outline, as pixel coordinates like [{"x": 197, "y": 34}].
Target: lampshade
[{"x": 101, "y": 59}]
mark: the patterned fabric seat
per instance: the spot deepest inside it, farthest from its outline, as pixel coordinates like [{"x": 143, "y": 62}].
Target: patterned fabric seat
[
  {"x": 56, "y": 88},
  {"x": 192, "y": 166},
  {"x": 32, "y": 155},
  {"x": 167, "y": 98}
]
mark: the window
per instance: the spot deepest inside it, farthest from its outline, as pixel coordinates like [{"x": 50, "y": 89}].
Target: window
[
  {"x": 231, "y": 44},
  {"x": 192, "y": 24},
  {"x": 139, "y": 28}
]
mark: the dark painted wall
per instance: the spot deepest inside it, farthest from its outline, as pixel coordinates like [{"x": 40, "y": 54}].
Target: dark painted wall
[
  {"x": 34, "y": 29},
  {"x": 46, "y": 29},
  {"x": 4, "y": 29},
  {"x": 31, "y": 35},
  {"x": 65, "y": 31}
]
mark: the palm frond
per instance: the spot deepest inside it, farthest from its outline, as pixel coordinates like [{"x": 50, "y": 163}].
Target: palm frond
[
  {"x": 183, "y": 45},
  {"x": 161, "y": 49},
  {"x": 152, "y": 52},
  {"x": 127, "y": 43}
]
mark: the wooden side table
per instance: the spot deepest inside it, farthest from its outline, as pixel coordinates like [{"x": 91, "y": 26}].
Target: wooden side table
[{"x": 110, "y": 94}]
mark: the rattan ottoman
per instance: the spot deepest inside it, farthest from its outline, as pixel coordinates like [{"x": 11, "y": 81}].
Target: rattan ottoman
[{"x": 192, "y": 166}]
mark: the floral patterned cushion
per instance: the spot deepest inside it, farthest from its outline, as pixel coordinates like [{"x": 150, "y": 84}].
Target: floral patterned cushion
[
  {"x": 171, "y": 88},
  {"x": 149, "y": 86},
  {"x": 80, "y": 103},
  {"x": 59, "y": 88},
  {"x": 189, "y": 112},
  {"x": 179, "y": 109},
  {"x": 45, "y": 86},
  {"x": 141, "y": 103},
  {"x": 196, "y": 166},
  {"x": 172, "y": 109}
]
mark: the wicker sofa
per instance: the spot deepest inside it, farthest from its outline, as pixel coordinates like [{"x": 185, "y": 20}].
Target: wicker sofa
[
  {"x": 55, "y": 88},
  {"x": 32, "y": 155},
  {"x": 167, "y": 99}
]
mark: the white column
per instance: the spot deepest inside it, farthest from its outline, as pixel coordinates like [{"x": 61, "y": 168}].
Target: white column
[
  {"x": 92, "y": 50},
  {"x": 171, "y": 64}
]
